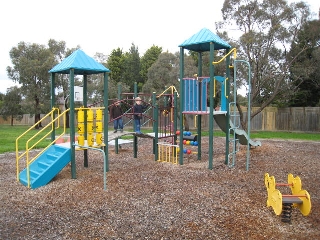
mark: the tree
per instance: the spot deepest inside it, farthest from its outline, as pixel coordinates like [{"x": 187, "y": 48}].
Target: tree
[
  {"x": 267, "y": 29},
  {"x": 115, "y": 64},
  {"x": 305, "y": 71},
  {"x": 1, "y": 99},
  {"x": 146, "y": 61},
  {"x": 131, "y": 71},
  {"x": 60, "y": 52},
  {"x": 11, "y": 106},
  {"x": 164, "y": 72},
  {"x": 31, "y": 63}
]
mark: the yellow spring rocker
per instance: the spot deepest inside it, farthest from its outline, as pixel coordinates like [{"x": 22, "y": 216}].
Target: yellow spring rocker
[{"x": 283, "y": 204}]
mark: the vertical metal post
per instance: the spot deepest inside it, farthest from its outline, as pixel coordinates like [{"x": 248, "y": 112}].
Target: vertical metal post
[
  {"x": 106, "y": 119},
  {"x": 135, "y": 146},
  {"x": 135, "y": 89},
  {"x": 211, "y": 102},
  {"x": 156, "y": 139},
  {"x": 227, "y": 87},
  {"x": 119, "y": 91},
  {"x": 199, "y": 104},
  {"x": 72, "y": 127},
  {"x": 182, "y": 97},
  {"x": 53, "y": 133},
  {"x": 175, "y": 114},
  {"x": 154, "y": 124},
  {"x": 85, "y": 104}
]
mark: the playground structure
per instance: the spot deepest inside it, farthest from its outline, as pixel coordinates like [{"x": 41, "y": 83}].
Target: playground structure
[
  {"x": 195, "y": 96},
  {"x": 92, "y": 121},
  {"x": 282, "y": 204}
]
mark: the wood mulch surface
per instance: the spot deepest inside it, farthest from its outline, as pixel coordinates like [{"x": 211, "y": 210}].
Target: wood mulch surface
[{"x": 146, "y": 199}]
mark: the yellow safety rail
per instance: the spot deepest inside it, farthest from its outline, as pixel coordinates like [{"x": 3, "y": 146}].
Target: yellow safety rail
[
  {"x": 234, "y": 55},
  {"x": 225, "y": 89},
  {"x": 172, "y": 89},
  {"x": 50, "y": 127}
]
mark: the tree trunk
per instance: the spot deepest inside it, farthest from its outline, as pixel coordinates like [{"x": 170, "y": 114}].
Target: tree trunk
[
  {"x": 37, "y": 116},
  {"x": 67, "y": 123}
]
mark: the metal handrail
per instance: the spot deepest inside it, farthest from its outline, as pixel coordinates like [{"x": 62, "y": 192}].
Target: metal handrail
[
  {"x": 234, "y": 55},
  {"x": 29, "y": 148}
]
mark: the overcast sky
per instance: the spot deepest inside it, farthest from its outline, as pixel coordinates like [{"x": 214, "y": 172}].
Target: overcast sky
[{"x": 101, "y": 25}]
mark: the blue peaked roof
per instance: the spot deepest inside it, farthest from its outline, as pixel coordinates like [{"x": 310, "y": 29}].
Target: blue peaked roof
[
  {"x": 200, "y": 42},
  {"x": 81, "y": 63}
]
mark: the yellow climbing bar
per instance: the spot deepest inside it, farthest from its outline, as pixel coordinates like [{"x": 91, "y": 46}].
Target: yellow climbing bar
[{"x": 234, "y": 50}]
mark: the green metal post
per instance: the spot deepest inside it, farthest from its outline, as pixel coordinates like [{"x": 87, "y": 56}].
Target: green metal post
[
  {"x": 72, "y": 127},
  {"x": 211, "y": 102},
  {"x": 199, "y": 104},
  {"x": 175, "y": 114},
  {"x": 135, "y": 89},
  {"x": 154, "y": 102},
  {"x": 116, "y": 141},
  {"x": 53, "y": 134},
  {"x": 181, "y": 104},
  {"x": 227, "y": 86},
  {"x": 156, "y": 133},
  {"x": 85, "y": 104},
  {"x": 154, "y": 124},
  {"x": 135, "y": 146},
  {"x": 135, "y": 92},
  {"x": 106, "y": 118},
  {"x": 119, "y": 91}
]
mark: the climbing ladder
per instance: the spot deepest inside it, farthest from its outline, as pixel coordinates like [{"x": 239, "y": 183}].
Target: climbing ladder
[{"x": 234, "y": 124}]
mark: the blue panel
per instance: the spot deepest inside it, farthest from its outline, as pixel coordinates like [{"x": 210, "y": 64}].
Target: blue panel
[{"x": 195, "y": 98}]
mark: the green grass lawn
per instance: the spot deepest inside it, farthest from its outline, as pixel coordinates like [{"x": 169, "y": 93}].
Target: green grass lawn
[{"x": 9, "y": 135}]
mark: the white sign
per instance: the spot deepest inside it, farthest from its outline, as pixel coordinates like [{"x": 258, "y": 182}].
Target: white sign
[{"x": 78, "y": 94}]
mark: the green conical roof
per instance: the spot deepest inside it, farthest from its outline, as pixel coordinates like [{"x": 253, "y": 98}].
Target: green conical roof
[
  {"x": 81, "y": 63},
  {"x": 200, "y": 42}
]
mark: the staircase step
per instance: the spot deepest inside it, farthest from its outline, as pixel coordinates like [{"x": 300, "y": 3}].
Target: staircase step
[
  {"x": 43, "y": 165},
  {"x": 46, "y": 166},
  {"x": 34, "y": 174},
  {"x": 52, "y": 156}
]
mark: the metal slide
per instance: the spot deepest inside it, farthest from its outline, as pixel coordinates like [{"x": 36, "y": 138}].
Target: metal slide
[{"x": 220, "y": 118}]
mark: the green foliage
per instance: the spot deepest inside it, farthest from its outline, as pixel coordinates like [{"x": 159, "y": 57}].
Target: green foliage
[
  {"x": 131, "y": 71},
  {"x": 267, "y": 29},
  {"x": 60, "y": 52},
  {"x": 1, "y": 99},
  {"x": 146, "y": 61},
  {"x": 115, "y": 64},
  {"x": 164, "y": 72},
  {"x": 305, "y": 70},
  {"x": 31, "y": 63},
  {"x": 11, "y": 106}
]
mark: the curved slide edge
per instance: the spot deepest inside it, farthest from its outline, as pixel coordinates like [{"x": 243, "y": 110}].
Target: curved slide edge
[{"x": 221, "y": 119}]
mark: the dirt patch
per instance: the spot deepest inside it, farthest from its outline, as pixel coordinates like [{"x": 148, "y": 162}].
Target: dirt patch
[{"x": 146, "y": 199}]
